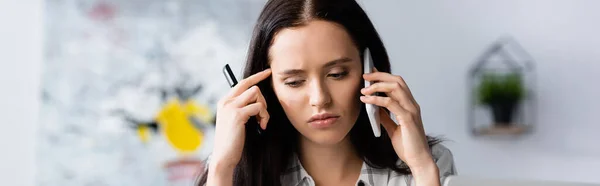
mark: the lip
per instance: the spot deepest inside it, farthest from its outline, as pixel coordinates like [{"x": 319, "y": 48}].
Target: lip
[{"x": 323, "y": 120}]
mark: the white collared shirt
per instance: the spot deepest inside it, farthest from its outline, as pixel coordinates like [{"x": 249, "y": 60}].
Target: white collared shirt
[{"x": 295, "y": 175}]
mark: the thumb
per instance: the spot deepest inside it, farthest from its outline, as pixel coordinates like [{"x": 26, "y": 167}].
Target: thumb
[{"x": 387, "y": 122}]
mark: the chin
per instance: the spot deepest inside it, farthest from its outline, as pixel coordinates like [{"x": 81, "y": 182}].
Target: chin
[{"x": 326, "y": 138}]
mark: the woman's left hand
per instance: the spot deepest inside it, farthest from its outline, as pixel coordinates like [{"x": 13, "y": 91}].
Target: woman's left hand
[{"x": 408, "y": 136}]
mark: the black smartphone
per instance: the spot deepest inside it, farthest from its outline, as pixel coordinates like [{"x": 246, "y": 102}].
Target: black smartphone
[{"x": 232, "y": 82}]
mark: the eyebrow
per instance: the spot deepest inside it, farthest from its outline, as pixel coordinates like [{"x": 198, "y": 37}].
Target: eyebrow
[{"x": 328, "y": 64}]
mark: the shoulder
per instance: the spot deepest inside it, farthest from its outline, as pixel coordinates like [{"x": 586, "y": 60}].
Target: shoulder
[
  {"x": 443, "y": 158},
  {"x": 440, "y": 151}
]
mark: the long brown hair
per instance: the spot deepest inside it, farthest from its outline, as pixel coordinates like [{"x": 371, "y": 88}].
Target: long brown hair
[{"x": 265, "y": 156}]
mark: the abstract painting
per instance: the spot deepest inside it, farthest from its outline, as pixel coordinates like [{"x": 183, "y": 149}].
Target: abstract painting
[{"x": 130, "y": 87}]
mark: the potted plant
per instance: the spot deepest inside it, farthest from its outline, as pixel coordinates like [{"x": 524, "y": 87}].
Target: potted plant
[{"x": 502, "y": 93}]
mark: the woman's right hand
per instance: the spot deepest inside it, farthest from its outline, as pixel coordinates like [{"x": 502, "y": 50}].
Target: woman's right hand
[{"x": 233, "y": 111}]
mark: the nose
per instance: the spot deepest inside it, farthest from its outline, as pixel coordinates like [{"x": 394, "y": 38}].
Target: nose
[{"x": 319, "y": 94}]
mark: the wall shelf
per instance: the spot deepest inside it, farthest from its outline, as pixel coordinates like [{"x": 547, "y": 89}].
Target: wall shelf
[
  {"x": 513, "y": 129},
  {"x": 501, "y": 91}
]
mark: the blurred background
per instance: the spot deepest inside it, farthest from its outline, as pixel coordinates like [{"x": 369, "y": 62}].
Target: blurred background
[{"x": 107, "y": 92}]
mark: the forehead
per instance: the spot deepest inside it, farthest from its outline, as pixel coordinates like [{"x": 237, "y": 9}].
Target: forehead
[{"x": 311, "y": 44}]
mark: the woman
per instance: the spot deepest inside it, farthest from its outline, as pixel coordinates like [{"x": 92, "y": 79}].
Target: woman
[{"x": 303, "y": 84}]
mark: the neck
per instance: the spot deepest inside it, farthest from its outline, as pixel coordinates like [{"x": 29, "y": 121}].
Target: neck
[{"x": 330, "y": 163}]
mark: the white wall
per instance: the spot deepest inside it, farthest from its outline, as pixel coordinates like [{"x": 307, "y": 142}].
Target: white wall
[
  {"x": 21, "y": 31},
  {"x": 433, "y": 43}
]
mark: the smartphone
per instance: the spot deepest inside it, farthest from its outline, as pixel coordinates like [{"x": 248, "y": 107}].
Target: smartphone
[
  {"x": 372, "y": 110},
  {"x": 232, "y": 82}
]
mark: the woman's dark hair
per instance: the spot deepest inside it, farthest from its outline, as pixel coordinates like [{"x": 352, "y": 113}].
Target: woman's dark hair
[{"x": 266, "y": 156}]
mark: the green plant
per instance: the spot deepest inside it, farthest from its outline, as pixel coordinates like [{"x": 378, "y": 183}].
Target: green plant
[
  {"x": 502, "y": 93},
  {"x": 501, "y": 89}
]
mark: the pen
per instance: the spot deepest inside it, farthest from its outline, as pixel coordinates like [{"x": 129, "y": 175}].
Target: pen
[
  {"x": 229, "y": 75},
  {"x": 232, "y": 82}
]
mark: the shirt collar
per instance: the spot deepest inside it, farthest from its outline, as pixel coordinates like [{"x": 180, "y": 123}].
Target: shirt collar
[{"x": 296, "y": 175}]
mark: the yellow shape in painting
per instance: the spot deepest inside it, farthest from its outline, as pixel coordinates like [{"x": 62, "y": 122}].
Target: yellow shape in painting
[
  {"x": 178, "y": 129},
  {"x": 143, "y": 133},
  {"x": 199, "y": 111}
]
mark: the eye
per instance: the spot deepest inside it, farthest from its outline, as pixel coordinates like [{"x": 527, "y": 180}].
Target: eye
[
  {"x": 294, "y": 83},
  {"x": 338, "y": 75}
]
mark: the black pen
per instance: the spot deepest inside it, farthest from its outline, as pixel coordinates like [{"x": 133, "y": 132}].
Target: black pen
[
  {"x": 232, "y": 82},
  {"x": 229, "y": 76}
]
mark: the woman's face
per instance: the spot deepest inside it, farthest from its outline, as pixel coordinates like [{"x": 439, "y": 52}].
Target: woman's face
[{"x": 317, "y": 74}]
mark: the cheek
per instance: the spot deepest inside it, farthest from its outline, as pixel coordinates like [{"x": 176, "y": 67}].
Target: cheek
[
  {"x": 348, "y": 93},
  {"x": 290, "y": 100},
  {"x": 353, "y": 101}
]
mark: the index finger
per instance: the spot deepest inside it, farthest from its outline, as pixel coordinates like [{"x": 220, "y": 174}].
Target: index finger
[
  {"x": 384, "y": 76},
  {"x": 245, "y": 84}
]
